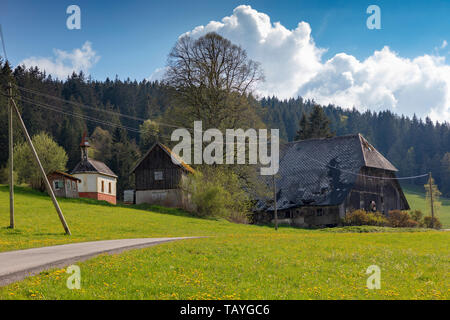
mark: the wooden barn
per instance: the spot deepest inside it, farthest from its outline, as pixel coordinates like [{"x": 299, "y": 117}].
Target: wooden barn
[
  {"x": 158, "y": 178},
  {"x": 320, "y": 180},
  {"x": 63, "y": 184}
]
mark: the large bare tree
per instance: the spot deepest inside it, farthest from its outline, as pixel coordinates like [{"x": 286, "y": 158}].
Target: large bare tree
[{"x": 212, "y": 79}]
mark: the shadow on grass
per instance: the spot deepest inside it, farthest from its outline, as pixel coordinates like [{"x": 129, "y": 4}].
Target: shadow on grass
[{"x": 11, "y": 231}]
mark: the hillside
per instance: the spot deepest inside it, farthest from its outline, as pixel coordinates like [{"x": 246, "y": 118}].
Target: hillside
[{"x": 234, "y": 262}]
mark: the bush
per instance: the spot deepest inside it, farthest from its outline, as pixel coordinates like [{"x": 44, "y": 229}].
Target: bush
[
  {"x": 217, "y": 192},
  {"x": 363, "y": 218},
  {"x": 401, "y": 219},
  {"x": 432, "y": 223},
  {"x": 52, "y": 156},
  {"x": 417, "y": 216},
  {"x": 4, "y": 175}
]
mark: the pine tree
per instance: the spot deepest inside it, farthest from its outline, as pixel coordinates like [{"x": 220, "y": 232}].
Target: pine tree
[
  {"x": 316, "y": 125},
  {"x": 303, "y": 130}
]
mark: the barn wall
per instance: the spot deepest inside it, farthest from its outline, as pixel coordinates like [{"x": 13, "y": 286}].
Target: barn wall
[
  {"x": 386, "y": 193},
  {"x": 175, "y": 198},
  {"x": 157, "y": 161},
  {"x": 69, "y": 189},
  {"x": 306, "y": 217}
]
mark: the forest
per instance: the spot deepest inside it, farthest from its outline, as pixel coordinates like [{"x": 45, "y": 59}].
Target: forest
[{"x": 415, "y": 146}]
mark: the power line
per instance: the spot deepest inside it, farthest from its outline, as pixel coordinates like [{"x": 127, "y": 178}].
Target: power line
[
  {"x": 135, "y": 130},
  {"x": 78, "y": 115},
  {"x": 91, "y": 107},
  {"x": 112, "y": 112}
]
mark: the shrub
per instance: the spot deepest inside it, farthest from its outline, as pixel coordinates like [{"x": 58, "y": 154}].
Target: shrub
[
  {"x": 432, "y": 222},
  {"x": 417, "y": 216},
  {"x": 217, "y": 192},
  {"x": 4, "y": 175},
  {"x": 401, "y": 219},
  {"x": 363, "y": 218}
]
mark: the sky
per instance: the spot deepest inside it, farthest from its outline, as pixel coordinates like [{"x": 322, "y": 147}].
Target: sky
[{"x": 321, "y": 50}]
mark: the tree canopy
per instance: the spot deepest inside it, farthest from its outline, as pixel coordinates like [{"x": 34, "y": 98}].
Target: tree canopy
[{"x": 314, "y": 125}]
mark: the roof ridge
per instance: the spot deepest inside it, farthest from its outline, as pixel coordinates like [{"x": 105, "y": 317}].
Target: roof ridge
[{"x": 353, "y": 135}]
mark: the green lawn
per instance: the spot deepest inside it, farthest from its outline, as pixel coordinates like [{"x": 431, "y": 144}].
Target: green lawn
[
  {"x": 235, "y": 262},
  {"x": 416, "y": 199}
]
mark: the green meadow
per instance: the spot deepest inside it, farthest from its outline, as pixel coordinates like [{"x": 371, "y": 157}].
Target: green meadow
[{"x": 234, "y": 261}]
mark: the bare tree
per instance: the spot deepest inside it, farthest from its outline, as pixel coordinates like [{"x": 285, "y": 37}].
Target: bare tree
[{"x": 212, "y": 79}]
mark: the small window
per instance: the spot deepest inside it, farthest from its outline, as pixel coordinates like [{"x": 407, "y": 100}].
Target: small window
[
  {"x": 109, "y": 188},
  {"x": 319, "y": 212},
  {"x": 68, "y": 185},
  {"x": 58, "y": 184},
  {"x": 74, "y": 185},
  {"x": 158, "y": 175},
  {"x": 103, "y": 186}
]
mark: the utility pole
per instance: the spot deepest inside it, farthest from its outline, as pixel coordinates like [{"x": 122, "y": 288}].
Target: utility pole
[
  {"x": 275, "y": 201},
  {"x": 44, "y": 176},
  {"x": 431, "y": 199},
  {"x": 11, "y": 159}
]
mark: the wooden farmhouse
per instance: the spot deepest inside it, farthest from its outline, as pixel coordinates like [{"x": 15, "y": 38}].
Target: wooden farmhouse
[
  {"x": 97, "y": 180},
  {"x": 320, "y": 180},
  {"x": 63, "y": 184},
  {"x": 158, "y": 178}
]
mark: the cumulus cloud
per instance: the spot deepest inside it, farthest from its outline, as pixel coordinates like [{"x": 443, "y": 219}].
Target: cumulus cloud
[
  {"x": 288, "y": 57},
  {"x": 64, "y": 63},
  {"x": 158, "y": 74},
  {"x": 293, "y": 65}
]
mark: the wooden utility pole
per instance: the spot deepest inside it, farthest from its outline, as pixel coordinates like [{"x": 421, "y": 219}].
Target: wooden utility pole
[
  {"x": 431, "y": 199},
  {"x": 275, "y": 202},
  {"x": 11, "y": 159},
  {"x": 44, "y": 176}
]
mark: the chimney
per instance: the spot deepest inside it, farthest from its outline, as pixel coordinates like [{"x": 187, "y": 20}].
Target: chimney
[{"x": 84, "y": 145}]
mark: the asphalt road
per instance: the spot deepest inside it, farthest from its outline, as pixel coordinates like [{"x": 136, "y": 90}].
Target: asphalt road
[{"x": 17, "y": 265}]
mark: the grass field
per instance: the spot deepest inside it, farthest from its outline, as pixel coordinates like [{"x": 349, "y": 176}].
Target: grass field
[
  {"x": 416, "y": 199},
  {"x": 234, "y": 262}
]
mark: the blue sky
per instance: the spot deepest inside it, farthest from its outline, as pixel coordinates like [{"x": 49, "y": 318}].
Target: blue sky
[{"x": 132, "y": 38}]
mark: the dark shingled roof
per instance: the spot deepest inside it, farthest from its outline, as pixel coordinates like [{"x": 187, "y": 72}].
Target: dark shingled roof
[
  {"x": 93, "y": 166},
  {"x": 170, "y": 153},
  {"x": 307, "y": 175}
]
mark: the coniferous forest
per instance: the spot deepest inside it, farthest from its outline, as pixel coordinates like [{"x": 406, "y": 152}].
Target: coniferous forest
[{"x": 415, "y": 146}]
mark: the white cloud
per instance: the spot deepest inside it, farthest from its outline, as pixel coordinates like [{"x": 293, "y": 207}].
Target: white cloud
[
  {"x": 288, "y": 57},
  {"x": 158, "y": 74},
  {"x": 293, "y": 65},
  {"x": 64, "y": 63},
  {"x": 444, "y": 44}
]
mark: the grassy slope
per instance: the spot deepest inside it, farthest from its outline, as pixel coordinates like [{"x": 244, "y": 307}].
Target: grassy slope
[
  {"x": 237, "y": 261},
  {"x": 416, "y": 199}
]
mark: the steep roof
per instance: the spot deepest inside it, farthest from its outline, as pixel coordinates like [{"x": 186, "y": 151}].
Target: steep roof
[
  {"x": 178, "y": 160},
  {"x": 57, "y": 172},
  {"x": 93, "y": 166},
  {"x": 322, "y": 172}
]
